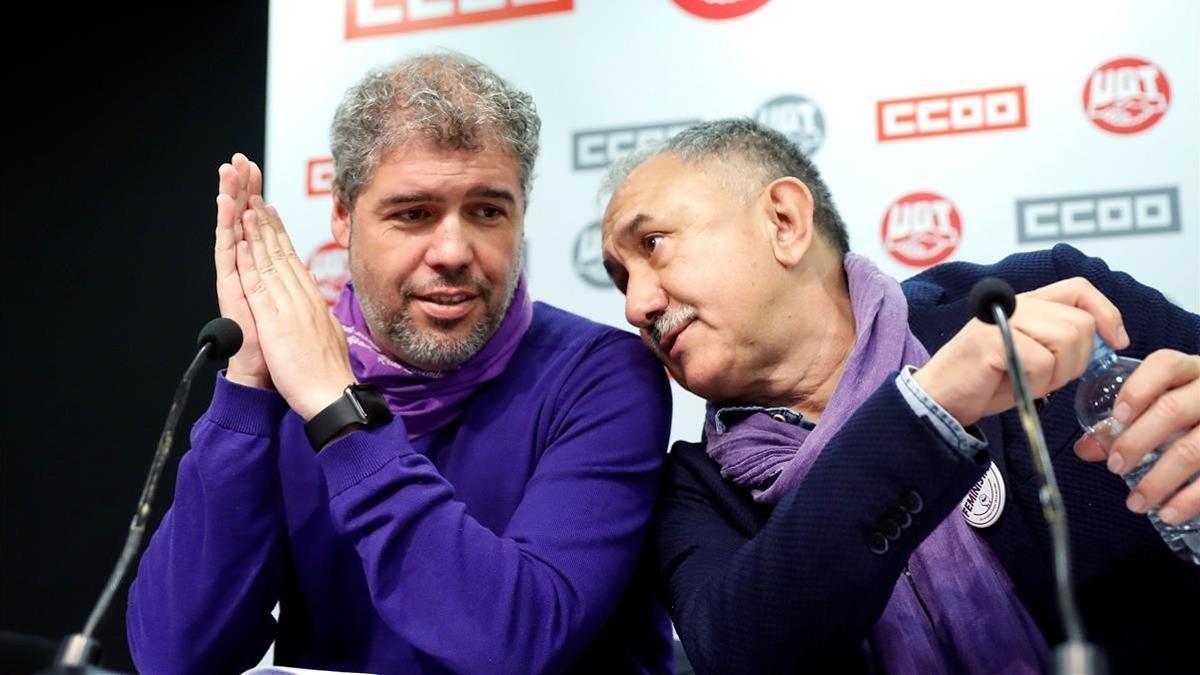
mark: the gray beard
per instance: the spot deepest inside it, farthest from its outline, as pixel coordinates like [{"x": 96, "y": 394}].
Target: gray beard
[{"x": 430, "y": 349}]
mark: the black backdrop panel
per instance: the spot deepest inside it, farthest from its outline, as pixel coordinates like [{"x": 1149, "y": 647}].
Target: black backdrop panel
[{"x": 123, "y": 112}]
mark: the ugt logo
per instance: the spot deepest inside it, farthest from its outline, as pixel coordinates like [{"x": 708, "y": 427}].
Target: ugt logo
[
  {"x": 1126, "y": 95},
  {"x": 330, "y": 264},
  {"x": 796, "y": 117},
  {"x": 720, "y": 9},
  {"x": 921, "y": 229},
  {"x": 588, "y": 257}
]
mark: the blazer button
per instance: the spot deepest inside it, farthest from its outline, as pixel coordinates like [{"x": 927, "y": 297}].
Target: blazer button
[
  {"x": 900, "y": 517},
  {"x": 877, "y": 543},
  {"x": 912, "y": 502},
  {"x": 890, "y": 528}
]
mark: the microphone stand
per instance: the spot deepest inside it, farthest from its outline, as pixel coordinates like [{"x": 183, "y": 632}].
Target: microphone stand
[
  {"x": 1076, "y": 656},
  {"x": 79, "y": 652}
]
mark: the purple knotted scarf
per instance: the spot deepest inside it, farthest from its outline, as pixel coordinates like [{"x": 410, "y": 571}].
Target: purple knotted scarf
[
  {"x": 428, "y": 401},
  {"x": 978, "y": 624}
]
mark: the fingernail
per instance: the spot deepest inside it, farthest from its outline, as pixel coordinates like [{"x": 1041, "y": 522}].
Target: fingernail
[
  {"x": 1115, "y": 462},
  {"x": 1136, "y": 502},
  {"x": 1121, "y": 412},
  {"x": 1169, "y": 515},
  {"x": 1124, "y": 336}
]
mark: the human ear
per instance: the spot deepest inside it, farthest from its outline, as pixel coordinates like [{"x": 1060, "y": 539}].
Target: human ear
[
  {"x": 789, "y": 211},
  {"x": 339, "y": 223}
]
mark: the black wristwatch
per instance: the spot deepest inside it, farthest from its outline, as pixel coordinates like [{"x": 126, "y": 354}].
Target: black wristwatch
[{"x": 359, "y": 404}]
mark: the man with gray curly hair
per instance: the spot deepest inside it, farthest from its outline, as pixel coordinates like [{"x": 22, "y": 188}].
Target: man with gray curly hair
[{"x": 439, "y": 475}]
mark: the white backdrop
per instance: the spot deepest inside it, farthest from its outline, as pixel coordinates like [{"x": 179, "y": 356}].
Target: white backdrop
[{"x": 1029, "y": 166}]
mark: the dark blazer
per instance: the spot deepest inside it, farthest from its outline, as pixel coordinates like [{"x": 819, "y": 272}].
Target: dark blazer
[{"x": 797, "y": 587}]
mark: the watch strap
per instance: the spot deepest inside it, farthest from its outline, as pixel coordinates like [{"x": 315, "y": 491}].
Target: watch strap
[{"x": 359, "y": 404}]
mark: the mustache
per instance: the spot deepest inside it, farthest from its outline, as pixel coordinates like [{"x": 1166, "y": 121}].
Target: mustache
[
  {"x": 460, "y": 280},
  {"x": 667, "y": 322}
]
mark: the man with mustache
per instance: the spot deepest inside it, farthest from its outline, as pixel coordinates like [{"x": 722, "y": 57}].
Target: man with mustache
[
  {"x": 816, "y": 526},
  {"x": 438, "y": 476}
]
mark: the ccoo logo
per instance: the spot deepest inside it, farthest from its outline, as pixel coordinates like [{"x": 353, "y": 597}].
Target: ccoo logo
[
  {"x": 1102, "y": 214},
  {"x": 962, "y": 112},
  {"x": 1126, "y": 95},
  {"x": 319, "y": 176},
  {"x": 921, "y": 229},
  {"x": 366, "y": 18},
  {"x": 588, "y": 257},
  {"x": 720, "y": 9},
  {"x": 330, "y": 264},
  {"x": 796, "y": 117}
]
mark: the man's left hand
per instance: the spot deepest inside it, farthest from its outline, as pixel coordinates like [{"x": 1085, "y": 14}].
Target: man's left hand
[
  {"x": 303, "y": 345},
  {"x": 1160, "y": 406}
]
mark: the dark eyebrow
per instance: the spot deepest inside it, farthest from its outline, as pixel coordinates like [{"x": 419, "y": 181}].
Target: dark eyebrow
[
  {"x": 492, "y": 193},
  {"x": 630, "y": 229},
  {"x": 406, "y": 198}
]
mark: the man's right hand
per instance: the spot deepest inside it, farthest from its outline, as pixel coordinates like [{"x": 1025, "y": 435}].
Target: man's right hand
[
  {"x": 238, "y": 180},
  {"x": 1052, "y": 327}
]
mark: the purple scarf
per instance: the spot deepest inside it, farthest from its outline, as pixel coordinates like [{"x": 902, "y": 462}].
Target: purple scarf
[
  {"x": 428, "y": 401},
  {"x": 978, "y": 624}
]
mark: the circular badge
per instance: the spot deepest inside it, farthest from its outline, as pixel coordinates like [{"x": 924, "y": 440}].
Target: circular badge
[
  {"x": 588, "y": 257},
  {"x": 1126, "y": 95},
  {"x": 720, "y": 9},
  {"x": 797, "y": 117},
  {"x": 984, "y": 503},
  {"x": 330, "y": 264},
  {"x": 921, "y": 229}
]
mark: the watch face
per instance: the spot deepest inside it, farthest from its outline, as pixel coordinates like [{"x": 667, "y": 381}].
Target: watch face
[{"x": 370, "y": 402}]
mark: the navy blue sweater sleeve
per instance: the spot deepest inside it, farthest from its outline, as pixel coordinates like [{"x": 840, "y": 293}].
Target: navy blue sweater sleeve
[{"x": 807, "y": 587}]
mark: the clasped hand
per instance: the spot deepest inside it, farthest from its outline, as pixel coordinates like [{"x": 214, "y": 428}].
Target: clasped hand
[{"x": 291, "y": 342}]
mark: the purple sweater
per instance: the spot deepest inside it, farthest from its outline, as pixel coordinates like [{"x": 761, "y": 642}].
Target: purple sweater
[{"x": 505, "y": 543}]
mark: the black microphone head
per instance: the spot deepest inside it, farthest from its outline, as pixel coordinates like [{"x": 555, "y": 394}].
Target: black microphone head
[
  {"x": 990, "y": 291},
  {"x": 224, "y": 335}
]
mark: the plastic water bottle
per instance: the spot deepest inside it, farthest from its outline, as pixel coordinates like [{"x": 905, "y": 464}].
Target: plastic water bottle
[{"x": 1094, "y": 400}]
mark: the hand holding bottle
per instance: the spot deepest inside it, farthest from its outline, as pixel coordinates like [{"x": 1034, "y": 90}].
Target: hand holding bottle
[{"x": 1144, "y": 417}]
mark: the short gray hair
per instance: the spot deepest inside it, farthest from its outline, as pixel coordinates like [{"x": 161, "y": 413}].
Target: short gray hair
[
  {"x": 445, "y": 98},
  {"x": 763, "y": 148}
]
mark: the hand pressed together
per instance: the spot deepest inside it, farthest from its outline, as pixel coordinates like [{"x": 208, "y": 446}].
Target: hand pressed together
[{"x": 292, "y": 341}]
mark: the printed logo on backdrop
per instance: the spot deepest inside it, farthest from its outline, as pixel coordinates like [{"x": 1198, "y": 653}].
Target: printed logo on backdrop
[
  {"x": 1101, "y": 214},
  {"x": 366, "y": 18},
  {"x": 599, "y": 148},
  {"x": 956, "y": 113},
  {"x": 319, "y": 176},
  {"x": 797, "y": 117},
  {"x": 921, "y": 229},
  {"x": 1126, "y": 95},
  {"x": 330, "y": 264},
  {"x": 588, "y": 257},
  {"x": 720, "y": 9}
]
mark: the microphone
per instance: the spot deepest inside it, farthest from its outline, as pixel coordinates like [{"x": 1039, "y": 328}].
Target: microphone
[
  {"x": 219, "y": 339},
  {"x": 224, "y": 335},
  {"x": 992, "y": 301}
]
